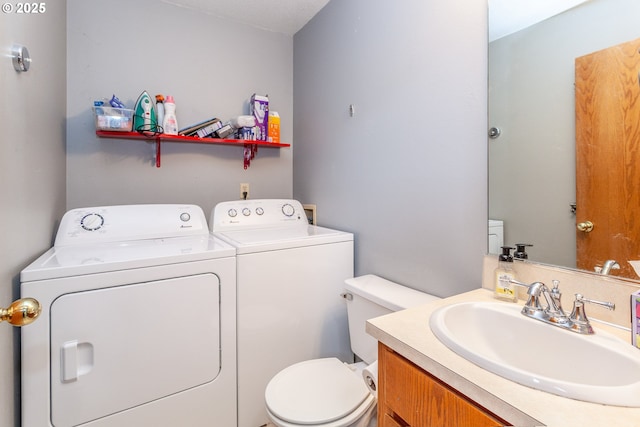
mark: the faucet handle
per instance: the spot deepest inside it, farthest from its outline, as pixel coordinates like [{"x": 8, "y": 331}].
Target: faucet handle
[
  {"x": 605, "y": 304},
  {"x": 533, "y": 290},
  {"x": 578, "y": 317}
]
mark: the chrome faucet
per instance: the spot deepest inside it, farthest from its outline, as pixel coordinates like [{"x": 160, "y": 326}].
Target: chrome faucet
[
  {"x": 551, "y": 312},
  {"x": 609, "y": 265}
]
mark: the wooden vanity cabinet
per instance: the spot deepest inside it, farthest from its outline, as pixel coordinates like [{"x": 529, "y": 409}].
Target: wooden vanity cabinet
[{"x": 410, "y": 397}]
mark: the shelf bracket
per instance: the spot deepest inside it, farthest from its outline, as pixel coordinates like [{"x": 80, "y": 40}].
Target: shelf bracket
[
  {"x": 250, "y": 151},
  {"x": 158, "y": 151}
]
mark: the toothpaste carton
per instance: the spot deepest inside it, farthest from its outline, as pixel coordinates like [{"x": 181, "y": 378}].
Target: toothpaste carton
[{"x": 259, "y": 108}]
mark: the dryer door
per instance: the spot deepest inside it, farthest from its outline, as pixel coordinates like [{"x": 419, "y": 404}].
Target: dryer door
[{"x": 120, "y": 347}]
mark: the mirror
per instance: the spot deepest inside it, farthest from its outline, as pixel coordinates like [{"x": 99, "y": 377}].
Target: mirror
[{"x": 531, "y": 100}]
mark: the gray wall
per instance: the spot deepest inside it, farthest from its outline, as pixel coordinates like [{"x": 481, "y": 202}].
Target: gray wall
[
  {"x": 210, "y": 66},
  {"x": 531, "y": 98},
  {"x": 407, "y": 174},
  {"x": 32, "y": 166}
]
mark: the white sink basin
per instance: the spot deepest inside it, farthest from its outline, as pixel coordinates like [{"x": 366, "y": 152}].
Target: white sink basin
[{"x": 598, "y": 368}]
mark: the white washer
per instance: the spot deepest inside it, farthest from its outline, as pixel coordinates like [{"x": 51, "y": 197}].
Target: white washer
[
  {"x": 289, "y": 277},
  {"x": 137, "y": 325}
]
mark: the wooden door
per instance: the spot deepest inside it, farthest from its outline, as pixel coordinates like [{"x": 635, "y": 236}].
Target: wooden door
[{"x": 607, "y": 157}]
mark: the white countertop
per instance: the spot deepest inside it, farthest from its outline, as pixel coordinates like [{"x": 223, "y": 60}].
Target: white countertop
[{"x": 408, "y": 333}]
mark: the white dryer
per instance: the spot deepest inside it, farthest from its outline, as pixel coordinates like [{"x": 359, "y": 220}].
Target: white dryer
[
  {"x": 289, "y": 279},
  {"x": 137, "y": 325}
]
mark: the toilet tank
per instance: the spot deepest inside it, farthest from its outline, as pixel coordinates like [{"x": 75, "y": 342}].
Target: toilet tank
[{"x": 372, "y": 296}]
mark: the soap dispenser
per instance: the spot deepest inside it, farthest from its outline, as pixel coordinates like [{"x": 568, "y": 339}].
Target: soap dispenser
[
  {"x": 521, "y": 251},
  {"x": 504, "y": 289}
]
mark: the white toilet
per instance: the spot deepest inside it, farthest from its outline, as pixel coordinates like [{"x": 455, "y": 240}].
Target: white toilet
[{"x": 331, "y": 393}]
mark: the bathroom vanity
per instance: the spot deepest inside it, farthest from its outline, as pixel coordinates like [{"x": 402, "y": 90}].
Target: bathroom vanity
[
  {"x": 401, "y": 402},
  {"x": 422, "y": 382}
]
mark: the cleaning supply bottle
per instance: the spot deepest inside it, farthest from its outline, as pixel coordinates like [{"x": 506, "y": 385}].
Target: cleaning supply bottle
[
  {"x": 273, "y": 134},
  {"x": 170, "y": 122},
  {"x": 159, "y": 109},
  {"x": 504, "y": 289}
]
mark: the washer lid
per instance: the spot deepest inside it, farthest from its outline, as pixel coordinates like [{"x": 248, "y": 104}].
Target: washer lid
[
  {"x": 315, "y": 392},
  {"x": 280, "y": 238}
]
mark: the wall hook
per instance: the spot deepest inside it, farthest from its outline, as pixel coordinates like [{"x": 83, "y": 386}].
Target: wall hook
[
  {"x": 21, "y": 58},
  {"x": 494, "y": 132}
]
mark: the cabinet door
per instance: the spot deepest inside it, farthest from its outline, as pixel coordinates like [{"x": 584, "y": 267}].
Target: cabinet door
[
  {"x": 388, "y": 421},
  {"x": 410, "y": 396}
]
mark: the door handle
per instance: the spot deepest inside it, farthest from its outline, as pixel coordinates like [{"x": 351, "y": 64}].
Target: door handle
[
  {"x": 585, "y": 227},
  {"x": 21, "y": 312}
]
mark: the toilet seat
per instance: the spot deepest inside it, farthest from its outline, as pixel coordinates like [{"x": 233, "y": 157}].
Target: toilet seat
[
  {"x": 319, "y": 392},
  {"x": 364, "y": 416}
]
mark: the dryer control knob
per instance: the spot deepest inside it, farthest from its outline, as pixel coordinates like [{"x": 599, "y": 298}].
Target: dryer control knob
[
  {"x": 288, "y": 210},
  {"x": 92, "y": 222}
]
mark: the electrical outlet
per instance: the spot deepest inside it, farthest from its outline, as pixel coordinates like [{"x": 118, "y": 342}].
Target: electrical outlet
[{"x": 244, "y": 190}]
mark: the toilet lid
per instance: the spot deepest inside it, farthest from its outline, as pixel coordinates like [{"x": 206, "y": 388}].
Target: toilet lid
[{"x": 315, "y": 392}]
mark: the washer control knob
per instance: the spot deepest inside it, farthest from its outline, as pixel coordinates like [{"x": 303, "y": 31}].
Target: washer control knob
[
  {"x": 92, "y": 222},
  {"x": 232, "y": 213},
  {"x": 288, "y": 209},
  {"x": 246, "y": 211},
  {"x": 260, "y": 211},
  {"x": 185, "y": 216}
]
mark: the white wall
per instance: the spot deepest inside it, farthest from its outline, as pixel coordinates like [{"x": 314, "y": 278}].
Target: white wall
[
  {"x": 408, "y": 173},
  {"x": 32, "y": 166},
  {"x": 532, "y": 99},
  {"x": 209, "y": 65}
]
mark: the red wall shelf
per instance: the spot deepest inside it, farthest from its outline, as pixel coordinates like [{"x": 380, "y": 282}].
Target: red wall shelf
[{"x": 250, "y": 147}]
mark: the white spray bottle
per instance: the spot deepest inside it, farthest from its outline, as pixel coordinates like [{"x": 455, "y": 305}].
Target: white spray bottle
[
  {"x": 170, "y": 122},
  {"x": 160, "y": 109}
]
